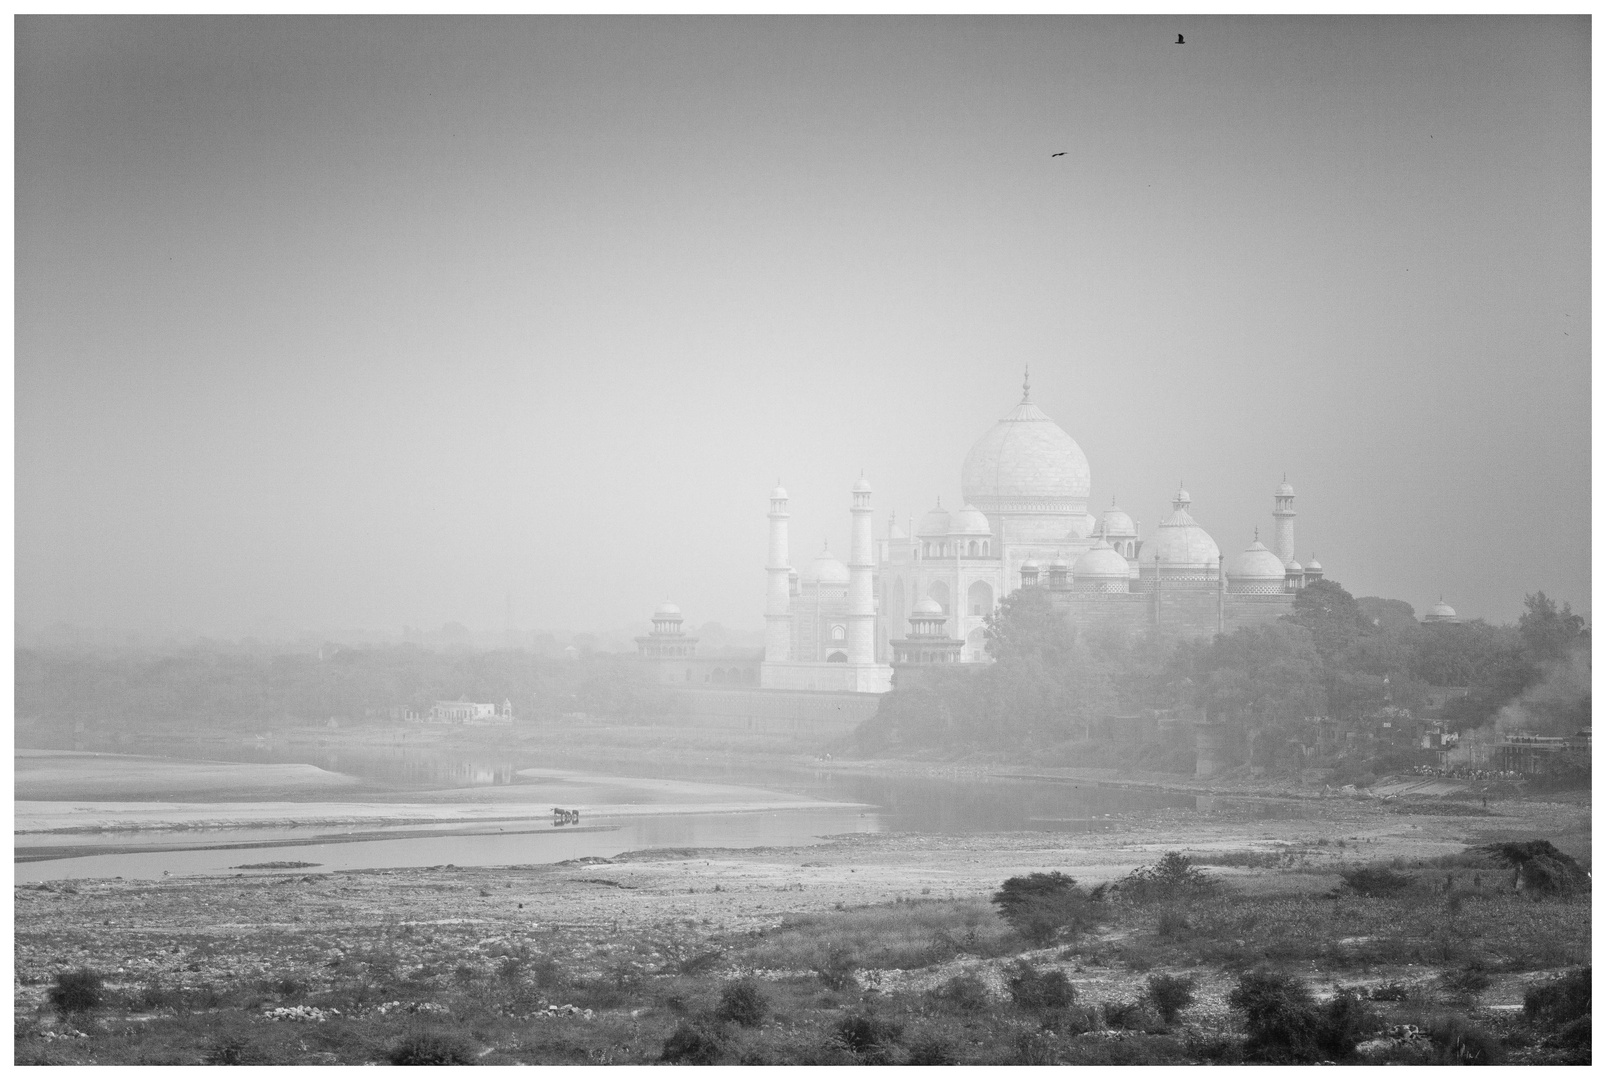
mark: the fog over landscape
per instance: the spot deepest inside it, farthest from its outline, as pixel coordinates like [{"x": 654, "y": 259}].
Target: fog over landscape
[
  {"x": 348, "y": 323},
  {"x": 802, "y": 541}
]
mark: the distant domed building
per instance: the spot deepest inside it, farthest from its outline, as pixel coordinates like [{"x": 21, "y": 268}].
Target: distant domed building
[
  {"x": 1439, "y": 613},
  {"x": 923, "y": 593}
]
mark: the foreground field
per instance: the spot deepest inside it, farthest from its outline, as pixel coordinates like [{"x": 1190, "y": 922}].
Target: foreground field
[{"x": 861, "y": 949}]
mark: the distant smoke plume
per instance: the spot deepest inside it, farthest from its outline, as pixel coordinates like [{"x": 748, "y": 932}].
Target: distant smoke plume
[{"x": 1558, "y": 704}]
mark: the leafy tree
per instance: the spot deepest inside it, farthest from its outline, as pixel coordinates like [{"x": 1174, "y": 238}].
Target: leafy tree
[
  {"x": 1548, "y": 634},
  {"x": 1037, "y": 906},
  {"x": 1026, "y": 626},
  {"x": 1262, "y": 674},
  {"x": 1331, "y": 615},
  {"x": 1386, "y": 614}
]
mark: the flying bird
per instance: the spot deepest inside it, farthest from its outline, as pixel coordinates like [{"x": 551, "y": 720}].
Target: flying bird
[
  {"x": 1180, "y": 41},
  {"x": 1060, "y": 154}
]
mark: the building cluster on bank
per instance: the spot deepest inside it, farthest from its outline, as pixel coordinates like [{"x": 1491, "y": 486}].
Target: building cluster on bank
[{"x": 921, "y": 592}]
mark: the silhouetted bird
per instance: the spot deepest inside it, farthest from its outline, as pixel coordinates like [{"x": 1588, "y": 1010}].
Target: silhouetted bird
[
  {"x": 1060, "y": 154},
  {"x": 1180, "y": 41}
]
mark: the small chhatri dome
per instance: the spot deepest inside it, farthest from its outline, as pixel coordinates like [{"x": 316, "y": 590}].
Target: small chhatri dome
[
  {"x": 1180, "y": 543},
  {"x": 1117, "y": 522},
  {"x": 778, "y": 493},
  {"x": 1440, "y": 612},
  {"x": 1181, "y": 500},
  {"x": 861, "y": 486},
  {"x": 1030, "y": 564},
  {"x": 1293, "y": 567},
  {"x": 1313, "y": 564},
  {"x": 1101, "y": 561},
  {"x": 1285, "y": 489},
  {"x": 1257, "y": 562},
  {"x": 935, "y": 523},
  {"x": 666, "y": 608},
  {"x": 928, "y": 606},
  {"x": 826, "y": 569},
  {"x": 969, "y": 522}
]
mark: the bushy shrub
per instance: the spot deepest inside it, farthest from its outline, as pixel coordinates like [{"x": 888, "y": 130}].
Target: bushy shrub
[
  {"x": 1169, "y": 995},
  {"x": 431, "y": 1048},
  {"x": 702, "y": 963},
  {"x": 1038, "y": 906},
  {"x": 1389, "y": 991},
  {"x": 1469, "y": 981},
  {"x": 932, "y": 1050},
  {"x": 1172, "y": 924},
  {"x": 233, "y": 1051},
  {"x": 836, "y": 969},
  {"x": 1173, "y": 877},
  {"x": 1457, "y": 1042},
  {"x": 1375, "y": 881},
  {"x": 966, "y": 992},
  {"x": 1540, "y": 866},
  {"x": 77, "y": 991},
  {"x": 1286, "y": 1026},
  {"x": 1342, "y": 1023},
  {"x": 1127, "y": 1016},
  {"x": 743, "y": 1002},
  {"x": 868, "y": 1036},
  {"x": 1031, "y": 988},
  {"x": 695, "y": 1041},
  {"x": 1559, "y": 1002}
]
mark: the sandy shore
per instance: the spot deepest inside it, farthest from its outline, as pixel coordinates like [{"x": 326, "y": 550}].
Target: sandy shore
[{"x": 67, "y": 774}]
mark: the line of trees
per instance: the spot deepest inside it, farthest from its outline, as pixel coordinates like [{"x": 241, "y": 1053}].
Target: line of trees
[
  {"x": 205, "y": 690},
  {"x": 1052, "y": 690}
]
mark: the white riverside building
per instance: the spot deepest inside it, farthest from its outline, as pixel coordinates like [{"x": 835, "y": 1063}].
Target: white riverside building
[{"x": 921, "y": 593}]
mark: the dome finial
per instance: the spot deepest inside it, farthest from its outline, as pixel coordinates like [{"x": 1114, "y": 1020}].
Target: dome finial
[
  {"x": 1257, "y": 534},
  {"x": 1026, "y": 386}
]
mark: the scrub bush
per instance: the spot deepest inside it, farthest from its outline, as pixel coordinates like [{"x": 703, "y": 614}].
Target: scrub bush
[
  {"x": 77, "y": 991},
  {"x": 1556, "y": 1003},
  {"x": 695, "y": 1041},
  {"x": 1169, "y": 995},
  {"x": 1038, "y": 906},
  {"x": 1172, "y": 878},
  {"x": 837, "y": 968},
  {"x": 1457, "y": 1042},
  {"x": 1030, "y": 988},
  {"x": 870, "y": 1037},
  {"x": 964, "y": 992},
  {"x": 743, "y": 1002},
  {"x": 431, "y": 1048},
  {"x": 1375, "y": 881},
  {"x": 1287, "y": 1027}
]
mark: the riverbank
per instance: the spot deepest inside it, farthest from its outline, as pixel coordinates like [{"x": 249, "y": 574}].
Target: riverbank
[{"x": 640, "y": 939}]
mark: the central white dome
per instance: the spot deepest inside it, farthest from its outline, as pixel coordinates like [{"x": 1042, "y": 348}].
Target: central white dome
[{"x": 1026, "y": 462}]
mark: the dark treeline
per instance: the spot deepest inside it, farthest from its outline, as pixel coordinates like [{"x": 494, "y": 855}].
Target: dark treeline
[
  {"x": 201, "y": 690},
  {"x": 1094, "y": 698}
]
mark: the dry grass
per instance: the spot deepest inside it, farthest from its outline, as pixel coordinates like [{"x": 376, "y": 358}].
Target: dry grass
[{"x": 442, "y": 989}]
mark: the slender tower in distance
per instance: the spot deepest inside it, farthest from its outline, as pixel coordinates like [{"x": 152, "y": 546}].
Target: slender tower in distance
[
  {"x": 778, "y": 609},
  {"x": 1282, "y": 536},
  {"x": 861, "y": 590}
]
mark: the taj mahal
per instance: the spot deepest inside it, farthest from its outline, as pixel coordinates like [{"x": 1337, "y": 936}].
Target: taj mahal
[{"x": 920, "y": 593}]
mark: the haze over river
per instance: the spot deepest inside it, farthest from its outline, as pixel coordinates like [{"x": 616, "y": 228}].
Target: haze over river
[{"x": 212, "y": 808}]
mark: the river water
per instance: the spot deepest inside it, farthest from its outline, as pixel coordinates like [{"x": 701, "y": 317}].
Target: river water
[{"x": 876, "y": 803}]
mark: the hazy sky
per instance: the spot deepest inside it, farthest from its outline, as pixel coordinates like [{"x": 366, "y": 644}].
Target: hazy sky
[{"x": 373, "y": 321}]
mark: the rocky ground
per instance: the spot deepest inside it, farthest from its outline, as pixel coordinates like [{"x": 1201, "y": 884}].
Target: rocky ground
[{"x": 156, "y": 942}]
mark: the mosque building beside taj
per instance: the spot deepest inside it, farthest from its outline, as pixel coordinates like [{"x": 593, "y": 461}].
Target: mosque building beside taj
[{"x": 921, "y": 592}]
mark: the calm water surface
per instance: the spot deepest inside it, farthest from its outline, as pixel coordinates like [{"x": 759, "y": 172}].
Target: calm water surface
[{"x": 892, "y": 804}]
